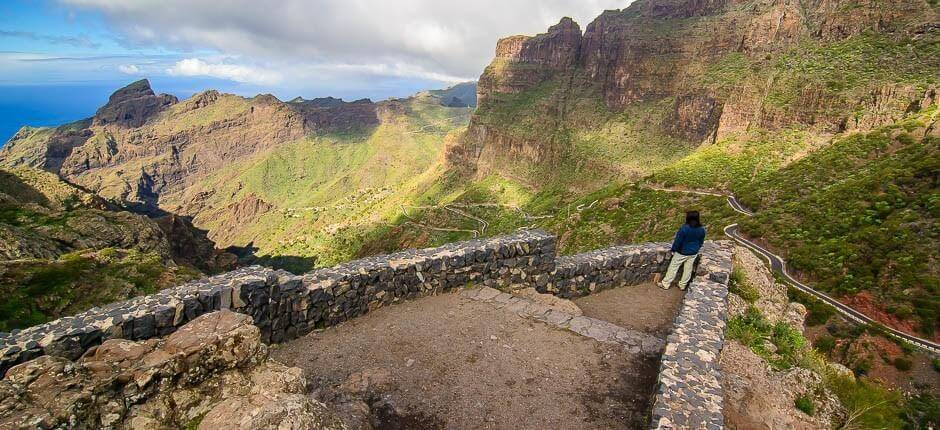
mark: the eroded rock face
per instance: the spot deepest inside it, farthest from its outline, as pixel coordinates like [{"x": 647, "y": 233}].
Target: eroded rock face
[
  {"x": 657, "y": 51},
  {"x": 757, "y": 397},
  {"x": 214, "y": 367},
  {"x": 523, "y": 62}
]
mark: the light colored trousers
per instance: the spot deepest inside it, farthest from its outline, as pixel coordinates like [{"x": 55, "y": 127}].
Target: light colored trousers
[{"x": 686, "y": 262}]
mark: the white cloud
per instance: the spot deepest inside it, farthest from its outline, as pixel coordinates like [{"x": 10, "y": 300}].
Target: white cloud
[
  {"x": 129, "y": 69},
  {"x": 232, "y": 72},
  {"x": 428, "y": 39}
]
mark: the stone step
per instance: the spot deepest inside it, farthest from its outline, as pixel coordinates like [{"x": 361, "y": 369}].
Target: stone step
[{"x": 633, "y": 341}]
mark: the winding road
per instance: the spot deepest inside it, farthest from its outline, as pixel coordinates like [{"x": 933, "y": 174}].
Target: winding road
[{"x": 778, "y": 265}]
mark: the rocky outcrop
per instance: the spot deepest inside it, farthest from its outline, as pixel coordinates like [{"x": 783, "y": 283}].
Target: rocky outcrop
[
  {"x": 212, "y": 373},
  {"x": 523, "y": 61},
  {"x": 329, "y": 115},
  {"x": 132, "y": 105},
  {"x": 756, "y": 395}
]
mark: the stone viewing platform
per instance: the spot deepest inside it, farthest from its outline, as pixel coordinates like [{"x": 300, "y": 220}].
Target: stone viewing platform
[{"x": 285, "y": 306}]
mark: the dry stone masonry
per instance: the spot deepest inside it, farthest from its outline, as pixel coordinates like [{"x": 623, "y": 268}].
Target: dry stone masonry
[
  {"x": 593, "y": 271},
  {"x": 284, "y": 306},
  {"x": 689, "y": 393}
]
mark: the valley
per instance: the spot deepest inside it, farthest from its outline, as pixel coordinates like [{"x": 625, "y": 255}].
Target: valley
[{"x": 820, "y": 116}]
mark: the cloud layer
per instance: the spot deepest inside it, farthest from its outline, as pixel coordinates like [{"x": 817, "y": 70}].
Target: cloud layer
[{"x": 297, "y": 39}]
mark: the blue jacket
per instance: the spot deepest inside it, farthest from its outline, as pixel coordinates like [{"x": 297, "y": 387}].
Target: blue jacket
[{"x": 688, "y": 240}]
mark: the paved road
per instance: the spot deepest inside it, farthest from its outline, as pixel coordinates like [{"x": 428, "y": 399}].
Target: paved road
[{"x": 778, "y": 265}]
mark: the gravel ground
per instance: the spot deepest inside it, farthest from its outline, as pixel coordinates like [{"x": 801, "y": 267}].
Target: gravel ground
[
  {"x": 448, "y": 362},
  {"x": 645, "y": 308}
]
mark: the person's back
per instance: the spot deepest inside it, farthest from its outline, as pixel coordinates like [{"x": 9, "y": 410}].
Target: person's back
[
  {"x": 691, "y": 241},
  {"x": 685, "y": 248}
]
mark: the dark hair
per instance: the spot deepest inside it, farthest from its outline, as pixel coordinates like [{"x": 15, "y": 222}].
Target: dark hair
[{"x": 692, "y": 219}]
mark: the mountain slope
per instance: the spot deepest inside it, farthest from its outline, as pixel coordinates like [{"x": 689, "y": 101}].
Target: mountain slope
[
  {"x": 298, "y": 181},
  {"x": 713, "y": 95}
]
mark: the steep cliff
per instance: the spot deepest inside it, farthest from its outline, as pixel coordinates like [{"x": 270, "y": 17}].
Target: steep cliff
[{"x": 662, "y": 73}]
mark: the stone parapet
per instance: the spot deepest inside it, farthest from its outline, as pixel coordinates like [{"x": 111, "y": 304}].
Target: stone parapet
[
  {"x": 593, "y": 271},
  {"x": 688, "y": 393},
  {"x": 285, "y": 306}
]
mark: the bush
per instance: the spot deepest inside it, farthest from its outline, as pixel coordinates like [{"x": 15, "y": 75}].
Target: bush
[
  {"x": 825, "y": 343},
  {"x": 936, "y": 364},
  {"x": 868, "y": 404},
  {"x": 903, "y": 364},
  {"x": 922, "y": 411},
  {"x": 818, "y": 312},
  {"x": 805, "y": 404}
]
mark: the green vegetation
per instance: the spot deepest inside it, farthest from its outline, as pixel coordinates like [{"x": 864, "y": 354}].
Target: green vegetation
[
  {"x": 857, "y": 216},
  {"x": 869, "y": 405},
  {"x": 754, "y": 331},
  {"x": 322, "y": 195},
  {"x": 36, "y": 291},
  {"x": 739, "y": 285},
  {"x": 805, "y": 404},
  {"x": 854, "y": 65},
  {"x": 825, "y": 343},
  {"x": 582, "y": 142},
  {"x": 818, "y": 312},
  {"x": 734, "y": 161},
  {"x": 616, "y": 214},
  {"x": 903, "y": 364}
]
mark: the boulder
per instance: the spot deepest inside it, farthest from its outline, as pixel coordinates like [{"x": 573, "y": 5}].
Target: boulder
[{"x": 211, "y": 372}]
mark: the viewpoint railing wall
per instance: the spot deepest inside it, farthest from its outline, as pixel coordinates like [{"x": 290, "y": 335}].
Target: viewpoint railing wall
[{"x": 285, "y": 306}]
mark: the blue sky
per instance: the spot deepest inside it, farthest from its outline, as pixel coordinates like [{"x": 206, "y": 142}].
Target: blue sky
[{"x": 60, "y": 59}]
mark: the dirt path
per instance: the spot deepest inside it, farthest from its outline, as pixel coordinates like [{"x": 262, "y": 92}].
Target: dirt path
[
  {"x": 448, "y": 362},
  {"x": 645, "y": 308}
]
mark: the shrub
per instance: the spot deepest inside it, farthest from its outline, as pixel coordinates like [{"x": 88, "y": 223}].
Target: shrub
[
  {"x": 903, "y": 364},
  {"x": 818, "y": 312},
  {"x": 868, "y": 404},
  {"x": 936, "y": 364},
  {"x": 825, "y": 343},
  {"x": 805, "y": 404}
]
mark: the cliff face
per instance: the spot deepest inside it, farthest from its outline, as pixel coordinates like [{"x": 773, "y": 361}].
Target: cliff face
[{"x": 719, "y": 67}]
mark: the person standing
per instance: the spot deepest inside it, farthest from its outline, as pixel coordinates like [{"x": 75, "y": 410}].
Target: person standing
[{"x": 685, "y": 247}]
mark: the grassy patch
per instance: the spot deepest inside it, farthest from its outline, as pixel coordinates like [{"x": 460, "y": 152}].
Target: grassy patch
[
  {"x": 38, "y": 291},
  {"x": 740, "y": 286},
  {"x": 805, "y": 404}
]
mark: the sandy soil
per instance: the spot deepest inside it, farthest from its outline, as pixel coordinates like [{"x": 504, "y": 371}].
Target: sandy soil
[
  {"x": 645, "y": 308},
  {"x": 447, "y": 362}
]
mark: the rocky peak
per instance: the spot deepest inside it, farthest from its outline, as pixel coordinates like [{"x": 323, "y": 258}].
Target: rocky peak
[
  {"x": 550, "y": 52},
  {"x": 132, "y": 105},
  {"x": 557, "y": 49}
]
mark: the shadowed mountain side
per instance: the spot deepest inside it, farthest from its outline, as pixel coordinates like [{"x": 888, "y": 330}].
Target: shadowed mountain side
[{"x": 63, "y": 250}]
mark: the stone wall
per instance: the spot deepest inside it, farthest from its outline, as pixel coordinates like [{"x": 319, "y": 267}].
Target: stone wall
[
  {"x": 688, "y": 394},
  {"x": 593, "y": 271},
  {"x": 285, "y": 306}
]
